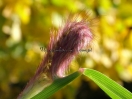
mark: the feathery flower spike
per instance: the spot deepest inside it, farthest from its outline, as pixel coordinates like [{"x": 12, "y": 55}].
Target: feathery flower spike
[
  {"x": 63, "y": 47},
  {"x": 70, "y": 39}
]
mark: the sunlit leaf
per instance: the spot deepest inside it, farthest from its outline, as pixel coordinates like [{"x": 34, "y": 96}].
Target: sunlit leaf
[{"x": 113, "y": 89}]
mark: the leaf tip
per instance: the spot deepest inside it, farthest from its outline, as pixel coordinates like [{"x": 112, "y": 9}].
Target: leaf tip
[{"x": 81, "y": 70}]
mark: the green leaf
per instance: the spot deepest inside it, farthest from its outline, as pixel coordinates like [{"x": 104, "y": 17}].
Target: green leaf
[
  {"x": 113, "y": 89},
  {"x": 55, "y": 86}
]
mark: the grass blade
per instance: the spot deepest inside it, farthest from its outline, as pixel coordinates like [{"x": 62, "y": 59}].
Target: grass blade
[
  {"x": 113, "y": 89},
  {"x": 55, "y": 86}
]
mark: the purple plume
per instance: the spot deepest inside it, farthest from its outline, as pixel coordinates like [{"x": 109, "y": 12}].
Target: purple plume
[
  {"x": 63, "y": 47},
  {"x": 70, "y": 39}
]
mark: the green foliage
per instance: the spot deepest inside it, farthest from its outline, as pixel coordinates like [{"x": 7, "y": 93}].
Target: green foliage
[
  {"x": 114, "y": 90},
  {"x": 55, "y": 86}
]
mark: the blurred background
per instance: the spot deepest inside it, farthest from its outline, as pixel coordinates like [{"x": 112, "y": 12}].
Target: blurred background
[{"x": 25, "y": 26}]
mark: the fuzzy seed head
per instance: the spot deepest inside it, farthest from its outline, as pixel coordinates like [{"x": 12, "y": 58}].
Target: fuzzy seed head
[
  {"x": 71, "y": 38},
  {"x": 63, "y": 47}
]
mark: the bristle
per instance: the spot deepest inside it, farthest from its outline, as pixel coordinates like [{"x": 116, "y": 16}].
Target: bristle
[{"x": 74, "y": 36}]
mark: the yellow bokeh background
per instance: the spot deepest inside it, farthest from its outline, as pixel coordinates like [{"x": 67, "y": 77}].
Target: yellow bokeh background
[{"x": 25, "y": 26}]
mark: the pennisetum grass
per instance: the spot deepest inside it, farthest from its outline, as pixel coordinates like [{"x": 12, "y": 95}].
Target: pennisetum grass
[{"x": 63, "y": 47}]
